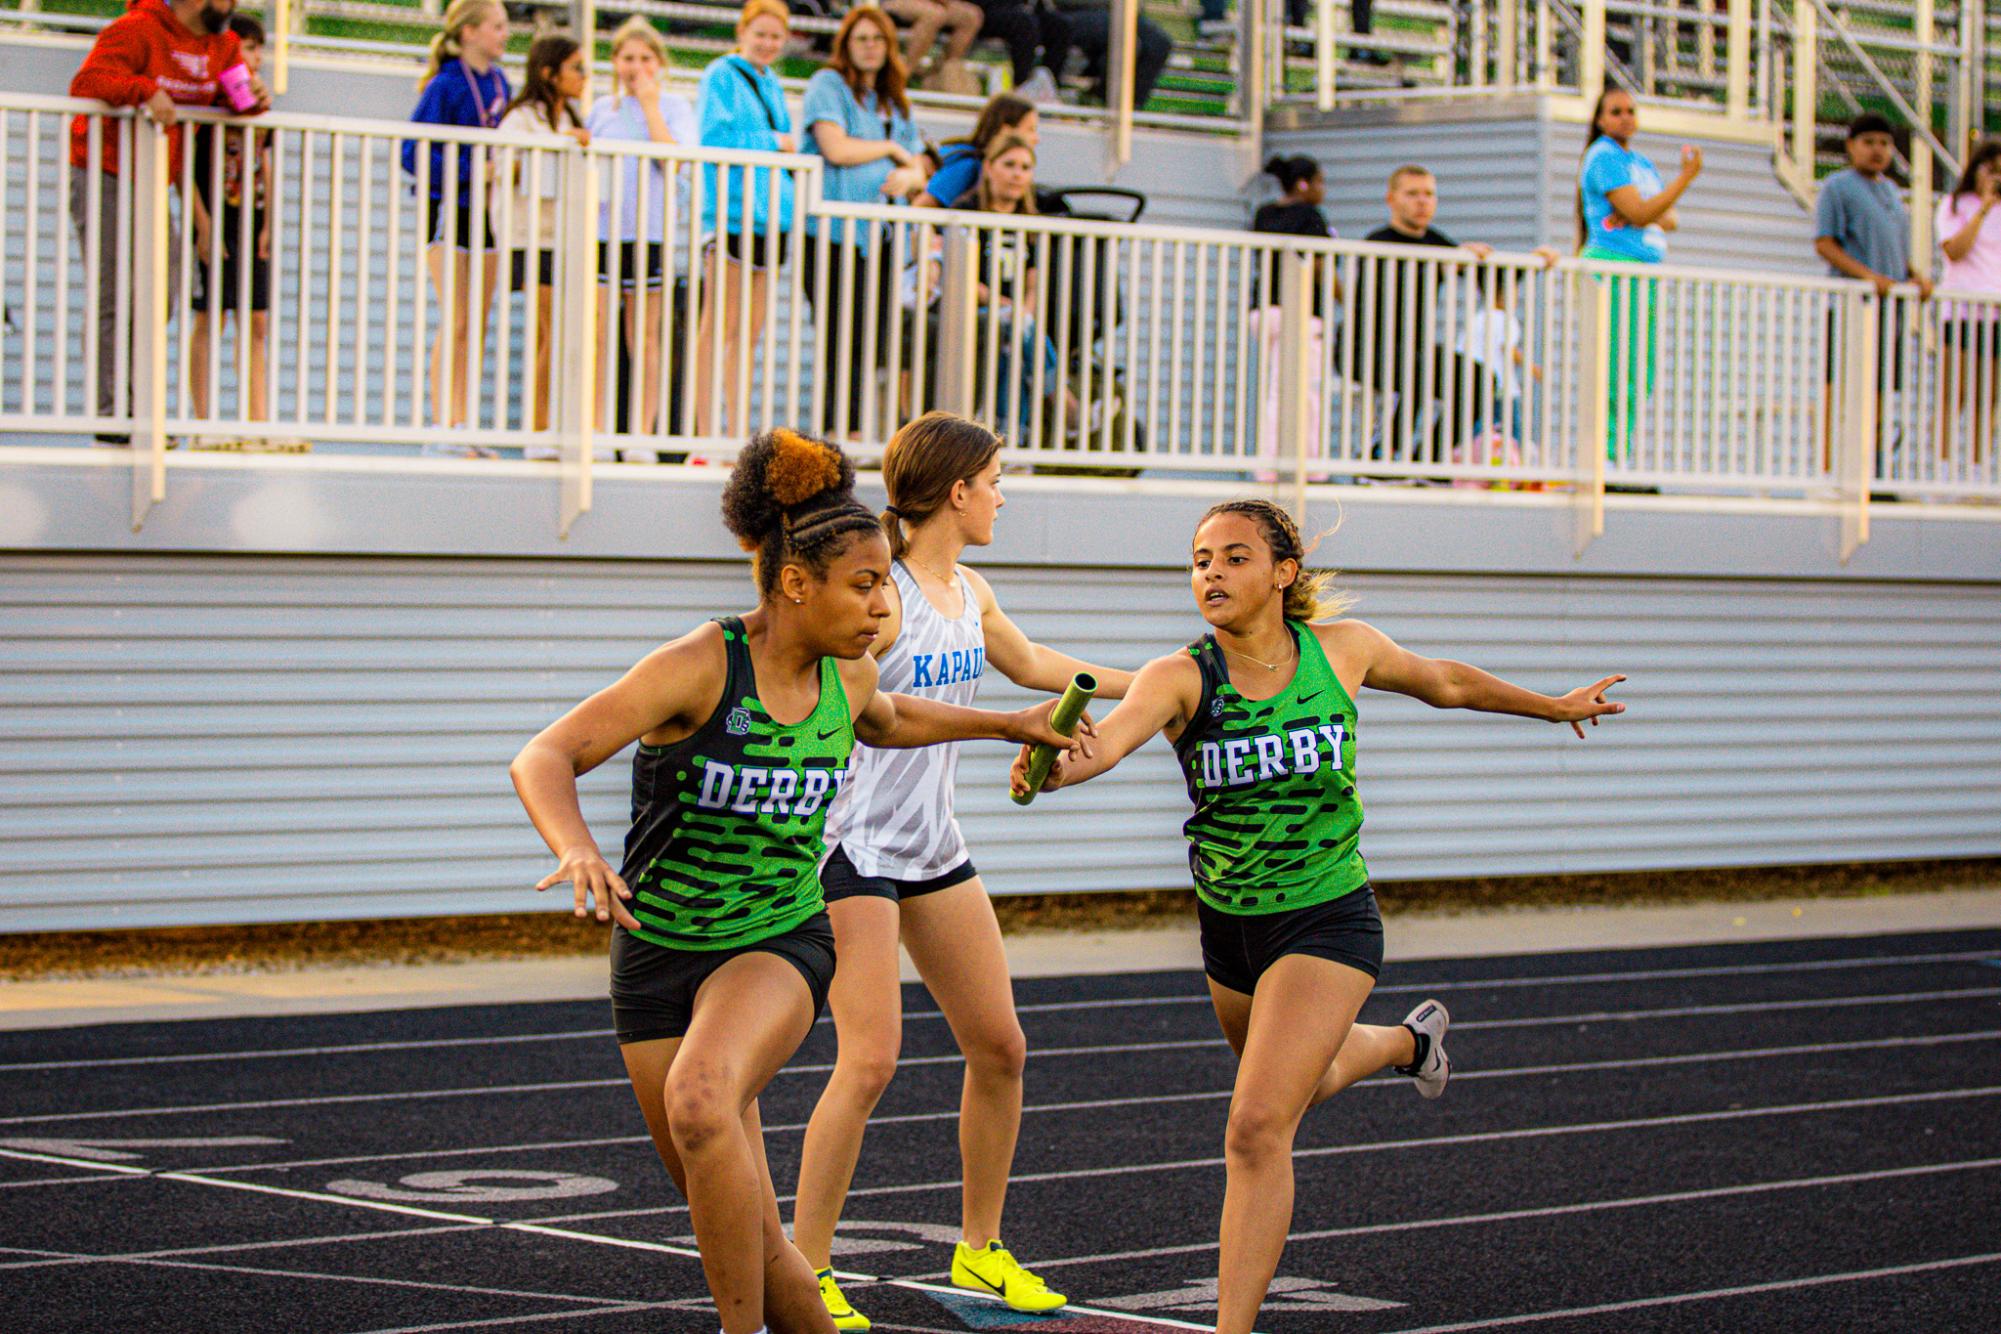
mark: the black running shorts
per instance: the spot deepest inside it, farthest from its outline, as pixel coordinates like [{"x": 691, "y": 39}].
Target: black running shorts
[
  {"x": 840, "y": 880},
  {"x": 653, "y": 988},
  {"x": 1237, "y": 948}
]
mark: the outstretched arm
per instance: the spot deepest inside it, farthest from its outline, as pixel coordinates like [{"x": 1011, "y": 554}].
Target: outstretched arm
[
  {"x": 1164, "y": 696},
  {"x": 903, "y": 722},
  {"x": 1445, "y": 684},
  {"x": 1032, "y": 665},
  {"x": 680, "y": 682}
]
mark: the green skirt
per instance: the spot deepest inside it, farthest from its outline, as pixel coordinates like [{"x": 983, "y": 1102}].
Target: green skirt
[{"x": 1632, "y": 351}]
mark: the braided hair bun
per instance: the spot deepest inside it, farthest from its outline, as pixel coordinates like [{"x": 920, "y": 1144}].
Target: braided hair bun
[{"x": 791, "y": 499}]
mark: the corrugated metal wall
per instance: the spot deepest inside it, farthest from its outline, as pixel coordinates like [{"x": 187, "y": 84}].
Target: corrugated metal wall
[{"x": 206, "y": 739}]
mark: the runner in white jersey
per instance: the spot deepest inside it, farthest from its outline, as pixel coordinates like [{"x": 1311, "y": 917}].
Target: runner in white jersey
[{"x": 897, "y": 867}]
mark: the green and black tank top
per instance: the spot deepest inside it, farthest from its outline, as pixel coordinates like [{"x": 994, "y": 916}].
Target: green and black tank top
[
  {"x": 725, "y": 844},
  {"x": 1276, "y": 820}
]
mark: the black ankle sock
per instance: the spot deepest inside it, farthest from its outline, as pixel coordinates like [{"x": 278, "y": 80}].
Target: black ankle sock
[{"x": 1421, "y": 1051}]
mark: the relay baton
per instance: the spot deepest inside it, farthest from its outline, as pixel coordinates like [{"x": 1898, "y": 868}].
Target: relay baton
[{"x": 1068, "y": 710}]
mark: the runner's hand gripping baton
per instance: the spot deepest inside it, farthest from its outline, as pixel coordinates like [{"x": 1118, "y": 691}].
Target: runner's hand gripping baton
[{"x": 1068, "y": 710}]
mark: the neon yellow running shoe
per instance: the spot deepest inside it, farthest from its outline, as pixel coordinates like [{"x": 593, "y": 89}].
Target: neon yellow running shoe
[
  {"x": 998, "y": 1274},
  {"x": 845, "y": 1316}
]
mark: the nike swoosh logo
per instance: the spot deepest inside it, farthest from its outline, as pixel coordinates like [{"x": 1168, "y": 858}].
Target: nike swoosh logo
[
  {"x": 830, "y": 733},
  {"x": 1315, "y": 695},
  {"x": 998, "y": 1289}
]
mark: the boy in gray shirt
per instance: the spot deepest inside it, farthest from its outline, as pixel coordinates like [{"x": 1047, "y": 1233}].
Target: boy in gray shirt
[{"x": 1861, "y": 227}]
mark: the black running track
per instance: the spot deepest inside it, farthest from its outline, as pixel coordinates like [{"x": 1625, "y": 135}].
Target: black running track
[{"x": 1804, "y": 1135}]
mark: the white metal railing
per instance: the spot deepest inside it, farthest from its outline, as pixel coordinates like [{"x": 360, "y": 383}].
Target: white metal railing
[
  {"x": 1089, "y": 345},
  {"x": 1762, "y": 59}
]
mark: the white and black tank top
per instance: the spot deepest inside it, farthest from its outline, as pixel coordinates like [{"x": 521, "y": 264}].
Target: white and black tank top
[{"x": 894, "y": 817}]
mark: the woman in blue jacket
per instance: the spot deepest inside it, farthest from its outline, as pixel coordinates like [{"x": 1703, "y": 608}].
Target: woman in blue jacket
[
  {"x": 741, "y": 105},
  {"x": 857, "y": 119},
  {"x": 464, "y": 87}
]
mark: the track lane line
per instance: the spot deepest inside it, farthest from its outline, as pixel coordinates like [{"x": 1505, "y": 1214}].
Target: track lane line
[
  {"x": 1712, "y": 1294},
  {"x": 537, "y": 1228},
  {"x": 1097, "y": 1105},
  {"x": 1042, "y": 1007},
  {"x": 367, "y": 1279},
  {"x": 1045, "y": 1053},
  {"x": 1547, "y": 1211},
  {"x": 230, "y": 1248},
  {"x": 1383, "y": 1146},
  {"x": 497, "y": 1321}
]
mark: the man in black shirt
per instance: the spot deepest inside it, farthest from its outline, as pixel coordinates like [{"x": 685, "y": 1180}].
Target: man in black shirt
[{"x": 1409, "y": 361}]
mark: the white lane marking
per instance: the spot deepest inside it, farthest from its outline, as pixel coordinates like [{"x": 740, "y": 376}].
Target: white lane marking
[
  {"x": 1714, "y": 1294},
  {"x": 385, "y": 1206},
  {"x": 28, "y": 1156},
  {"x": 495, "y": 1322},
  {"x": 332, "y": 1049},
  {"x": 327, "y": 1100},
  {"x": 1506, "y": 1072},
  {"x": 1283, "y": 1293},
  {"x": 1102, "y": 1104},
  {"x": 1022, "y": 1178},
  {"x": 1042, "y": 1007},
  {"x": 922, "y": 1285},
  {"x": 1552, "y": 1210},
  {"x": 231, "y": 1248},
  {"x": 625, "y": 1243},
  {"x": 368, "y": 1279},
  {"x": 348, "y": 1160},
  {"x": 539, "y": 1229},
  {"x": 1040, "y": 1053},
  {"x": 50, "y": 1181},
  {"x": 479, "y": 1185},
  {"x": 120, "y": 1150},
  {"x": 1753, "y": 1007},
  {"x": 1481, "y": 1137}
]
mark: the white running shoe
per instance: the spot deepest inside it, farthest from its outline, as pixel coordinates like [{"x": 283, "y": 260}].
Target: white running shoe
[{"x": 1427, "y": 1023}]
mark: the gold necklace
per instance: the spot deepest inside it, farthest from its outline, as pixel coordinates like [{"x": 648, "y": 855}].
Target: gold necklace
[
  {"x": 1268, "y": 666},
  {"x": 929, "y": 568}
]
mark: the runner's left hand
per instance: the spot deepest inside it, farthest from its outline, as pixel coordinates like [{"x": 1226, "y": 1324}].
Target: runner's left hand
[
  {"x": 591, "y": 877},
  {"x": 1587, "y": 703}
]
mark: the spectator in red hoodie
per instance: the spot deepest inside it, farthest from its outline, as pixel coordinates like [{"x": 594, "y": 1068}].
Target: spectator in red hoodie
[{"x": 160, "y": 56}]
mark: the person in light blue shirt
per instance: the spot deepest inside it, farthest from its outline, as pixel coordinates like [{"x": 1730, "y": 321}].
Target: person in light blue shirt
[
  {"x": 741, "y": 105},
  {"x": 632, "y": 247},
  {"x": 857, "y": 118},
  {"x": 1860, "y": 225},
  {"x": 1624, "y": 214},
  {"x": 1863, "y": 231}
]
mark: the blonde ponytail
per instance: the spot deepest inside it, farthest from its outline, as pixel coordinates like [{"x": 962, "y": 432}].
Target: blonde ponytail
[{"x": 449, "y": 43}]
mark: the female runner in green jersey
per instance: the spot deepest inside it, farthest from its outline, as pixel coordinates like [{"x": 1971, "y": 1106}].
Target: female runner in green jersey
[
  {"x": 1261, "y": 712},
  {"x": 722, "y": 952}
]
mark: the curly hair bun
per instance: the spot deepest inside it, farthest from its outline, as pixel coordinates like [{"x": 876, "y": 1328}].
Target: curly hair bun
[
  {"x": 776, "y": 473},
  {"x": 800, "y": 468}
]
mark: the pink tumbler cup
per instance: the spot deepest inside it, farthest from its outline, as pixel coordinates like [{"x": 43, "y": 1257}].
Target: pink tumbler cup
[{"x": 236, "y": 83}]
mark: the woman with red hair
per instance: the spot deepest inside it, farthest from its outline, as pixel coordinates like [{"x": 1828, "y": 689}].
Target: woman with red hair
[{"x": 857, "y": 117}]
